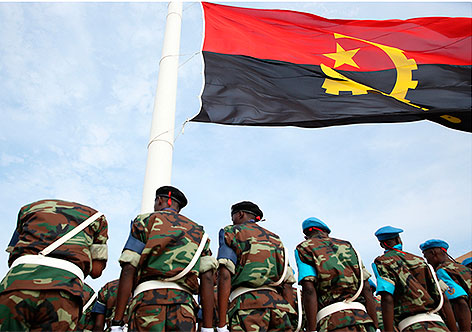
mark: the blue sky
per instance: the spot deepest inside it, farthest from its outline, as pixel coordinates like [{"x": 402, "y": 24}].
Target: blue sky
[{"x": 77, "y": 90}]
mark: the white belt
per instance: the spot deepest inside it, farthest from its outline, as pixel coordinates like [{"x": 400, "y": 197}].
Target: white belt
[
  {"x": 51, "y": 262},
  {"x": 338, "y": 306},
  {"x": 242, "y": 290},
  {"x": 428, "y": 317},
  {"x": 158, "y": 284}
]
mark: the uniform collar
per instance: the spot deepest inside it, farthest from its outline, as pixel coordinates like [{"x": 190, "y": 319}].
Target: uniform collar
[{"x": 397, "y": 246}]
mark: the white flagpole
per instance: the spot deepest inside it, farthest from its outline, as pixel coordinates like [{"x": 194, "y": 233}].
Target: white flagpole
[{"x": 161, "y": 143}]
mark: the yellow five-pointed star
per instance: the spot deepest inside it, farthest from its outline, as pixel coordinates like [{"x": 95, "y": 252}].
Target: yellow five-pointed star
[{"x": 342, "y": 57}]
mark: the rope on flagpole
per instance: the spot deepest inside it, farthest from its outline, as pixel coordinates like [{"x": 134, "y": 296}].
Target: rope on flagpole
[
  {"x": 156, "y": 138},
  {"x": 182, "y": 130},
  {"x": 189, "y": 6},
  {"x": 193, "y": 55},
  {"x": 172, "y": 55}
]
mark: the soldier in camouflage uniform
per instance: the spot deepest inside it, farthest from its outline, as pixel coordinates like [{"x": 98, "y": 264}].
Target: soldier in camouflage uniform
[
  {"x": 457, "y": 278},
  {"x": 45, "y": 292},
  {"x": 407, "y": 287},
  {"x": 162, "y": 245},
  {"x": 253, "y": 263},
  {"x": 104, "y": 308},
  {"x": 329, "y": 271},
  {"x": 86, "y": 320}
]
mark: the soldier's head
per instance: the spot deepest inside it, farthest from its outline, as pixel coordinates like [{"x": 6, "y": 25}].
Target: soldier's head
[
  {"x": 388, "y": 236},
  {"x": 435, "y": 251},
  {"x": 313, "y": 225},
  {"x": 169, "y": 197},
  {"x": 245, "y": 211},
  {"x": 467, "y": 262}
]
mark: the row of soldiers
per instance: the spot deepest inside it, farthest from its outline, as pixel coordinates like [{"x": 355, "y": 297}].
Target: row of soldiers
[{"x": 168, "y": 273}]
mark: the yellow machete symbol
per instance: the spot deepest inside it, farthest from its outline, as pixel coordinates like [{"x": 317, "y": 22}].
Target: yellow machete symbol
[{"x": 337, "y": 82}]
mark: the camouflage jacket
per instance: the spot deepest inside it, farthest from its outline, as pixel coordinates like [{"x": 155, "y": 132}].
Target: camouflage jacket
[
  {"x": 409, "y": 280},
  {"x": 161, "y": 245},
  {"x": 458, "y": 278},
  {"x": 86, "y": 321},
  {"x": 106, "y": 302},
  {"x": 40, "y": 224},
  {"x": 255, "y": 257},
  {"x": 336, "y": 276}
]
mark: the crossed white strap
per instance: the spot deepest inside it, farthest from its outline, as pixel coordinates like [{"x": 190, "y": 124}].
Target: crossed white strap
[
  {"x": 63, "y": 264},
  {"x": 271, "y": 287},
  {"x": 429, "y": 316},
  {"x": 169, "y": 282},
  {"x": 348, "y": 303},
  {"x": 53, "y": 246}
]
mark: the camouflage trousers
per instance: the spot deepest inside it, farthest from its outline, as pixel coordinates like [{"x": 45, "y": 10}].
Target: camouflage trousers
[
  {"x": 260, "y": 320},
  {"x": 45, "y": 310},
  {"x": 356, "y": 328},
  {"x": 427, "y": 327},
  {"x": 162, "y": 318}
]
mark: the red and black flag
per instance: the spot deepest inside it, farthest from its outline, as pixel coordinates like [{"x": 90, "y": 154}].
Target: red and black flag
[{"x": 286, "y": 68}]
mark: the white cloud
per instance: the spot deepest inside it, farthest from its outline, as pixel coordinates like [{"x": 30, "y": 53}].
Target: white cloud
[{"x": 7, "y": 159}]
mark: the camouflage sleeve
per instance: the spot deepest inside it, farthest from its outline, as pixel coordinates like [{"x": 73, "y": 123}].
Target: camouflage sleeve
[
  {"x": 290, "y": 276},
  {"x": 99, "y": 249},
  {"x": 207, "y": 261},
  {"x": 88, "y": 292},
  {"x": 136, "y": 241},
  {"x": 14, "y": 240},
  {"x": 100, "y": 305},
  {"x": 453, "y": 290},
  {"x": 16, "y": 233},
  {"x": 385, "y": 282}
]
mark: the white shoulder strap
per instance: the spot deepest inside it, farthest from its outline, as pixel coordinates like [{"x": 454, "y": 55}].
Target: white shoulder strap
[
  {"x": 53, "y": 246},
  {"x": 89, "y": 302},
  {"x": 441, "y": 298},
  {"x": 192, "y": 262},
  {"x": 278, "y": 282},
  {"x": 361, "y": 275}
]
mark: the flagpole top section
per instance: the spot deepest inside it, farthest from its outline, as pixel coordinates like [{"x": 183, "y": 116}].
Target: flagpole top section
[
  {"x": 161, "y": 141},
  {"x": 174, "y": 7}
]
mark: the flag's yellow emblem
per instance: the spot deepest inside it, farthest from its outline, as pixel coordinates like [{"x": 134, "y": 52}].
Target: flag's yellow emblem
[{"x": 336, "y": 82}]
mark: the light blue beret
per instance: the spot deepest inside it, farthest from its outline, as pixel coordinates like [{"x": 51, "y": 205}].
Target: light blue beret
[
  {"x": 387, "y": 232},
  {"x": 467, "y": 261},
  {"x": 315, "y": 222},
  {"x": 434, "y": 243}
]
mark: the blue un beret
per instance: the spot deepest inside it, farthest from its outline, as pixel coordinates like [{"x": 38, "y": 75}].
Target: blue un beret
[
  {"x": 387, "y": 232},
  {"x": 434, "y": 243},
  {"x": 467, "y": 261},
  {"x": 315, "y": 222}
]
